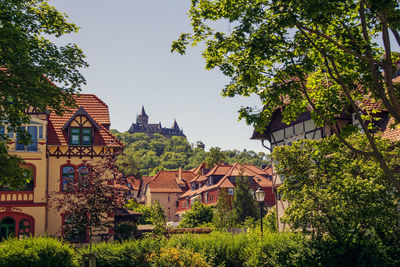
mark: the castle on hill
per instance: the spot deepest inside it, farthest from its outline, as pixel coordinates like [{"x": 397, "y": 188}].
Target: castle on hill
[{"x": 142, "y": 125}]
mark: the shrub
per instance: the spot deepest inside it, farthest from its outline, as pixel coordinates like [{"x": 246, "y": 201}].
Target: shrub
[
  {"x": 128, "y": 253},
  {"x": 37, "y": 251},
  {"x": 217, "y": 248},
  {"x": 199, "y": 214},
  {"x": 281, "y": 249},
  {"x": 172, "y": 257}
]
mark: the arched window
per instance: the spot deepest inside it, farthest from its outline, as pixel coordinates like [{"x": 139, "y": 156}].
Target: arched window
[
  {"x": 67, "y": 179},
  {"x": 7, "y": 228},
  {"x": 24, "y": 228}
]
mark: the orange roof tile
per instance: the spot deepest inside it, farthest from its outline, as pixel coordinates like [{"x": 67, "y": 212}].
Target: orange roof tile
[
  {"x": 390, "y": 133},
  {"x": 219, "y": 169},
  {"x": 134, "y": 182},
  {"x": 236, "y": 169},
  {"x": 97, "y": 110},
  {"x": 167, "y": 181}
]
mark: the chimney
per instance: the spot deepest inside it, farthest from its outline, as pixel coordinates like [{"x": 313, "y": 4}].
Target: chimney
[{"x": 180, "y": 173}]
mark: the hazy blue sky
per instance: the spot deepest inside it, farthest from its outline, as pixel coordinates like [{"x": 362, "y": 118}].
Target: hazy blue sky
[{"x": 128, "y": 43}]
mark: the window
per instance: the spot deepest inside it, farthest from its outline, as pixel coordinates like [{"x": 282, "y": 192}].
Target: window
[
  {"x": 28, "y": 176},
  {"x": 7, "y": 228},
  {"x": 10, "y": 133},
  {"x": 67, "y": 179},
  {"x": 33, "y": 131},
  {"x": 206, "y": 197},
  {"x": 81, "y": 136},
  {"x": 169, "y": 199},
  {"x": 29, "y": 186},
  {"x": 230, "y": 191},
  {"x": 74, "y": 228},
  {"x": 24, "y": 228}
]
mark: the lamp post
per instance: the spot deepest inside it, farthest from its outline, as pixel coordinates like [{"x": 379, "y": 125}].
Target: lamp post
[{"x": 260, "y": 195}]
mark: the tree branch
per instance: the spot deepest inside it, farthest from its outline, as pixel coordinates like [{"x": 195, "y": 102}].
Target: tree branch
[
  {"x": 326, "y": 37},
  {"x": 396, "y": 35},
  {"x": 375, "y": 76}
]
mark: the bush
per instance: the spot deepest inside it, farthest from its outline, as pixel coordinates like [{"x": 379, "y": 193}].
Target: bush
[
  {"x": 217, "y": 248},
  {"x": 36, "y": 251},
  {"x": 281, "y": 249},
  {"x": 128, "y": 253},
  {"x": 172, "y": 257}
]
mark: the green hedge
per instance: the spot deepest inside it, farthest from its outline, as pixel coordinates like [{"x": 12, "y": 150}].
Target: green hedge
[
  {"x": 38, "y": 251},
  {"x": 127, "y": 253},
  {"x": 215, "y": 249}
]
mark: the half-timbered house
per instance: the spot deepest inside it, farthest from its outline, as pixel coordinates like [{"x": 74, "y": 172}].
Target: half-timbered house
[
  {"x": 278, "y": 133},
  {"x": 59, "y": 146}
]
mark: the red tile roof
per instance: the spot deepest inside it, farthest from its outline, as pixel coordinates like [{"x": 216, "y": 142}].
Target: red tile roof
[
  {"x": 393, "y": 134},
  {"x": 219, "y": 169},
  {"x": 236, "y": 169},
  {"x": 167, "y": 181},
  {"x": 97, "y": 110},
  {"x": 135, "y": 183}
]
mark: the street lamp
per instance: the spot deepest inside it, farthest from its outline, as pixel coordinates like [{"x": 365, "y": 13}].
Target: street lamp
[{"x": 260, "y": 195}]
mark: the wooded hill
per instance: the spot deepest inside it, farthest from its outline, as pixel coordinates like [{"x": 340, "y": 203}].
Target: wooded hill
[{"x": 146, "y": 156}]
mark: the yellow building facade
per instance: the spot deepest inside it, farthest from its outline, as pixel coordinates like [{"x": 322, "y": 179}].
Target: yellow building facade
[{"x": 59, "y": 147}]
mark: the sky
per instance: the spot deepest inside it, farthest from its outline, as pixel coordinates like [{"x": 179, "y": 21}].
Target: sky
[{"x": 127, "y": 44}]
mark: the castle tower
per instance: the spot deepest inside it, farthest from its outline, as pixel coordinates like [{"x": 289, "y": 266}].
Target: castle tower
[
  {"x": 142, "y": 118},
  {"x": 175, "y": 125}
]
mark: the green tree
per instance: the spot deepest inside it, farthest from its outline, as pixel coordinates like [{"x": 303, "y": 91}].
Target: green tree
[
  {"x": 336, "y": 193},
  {"x": 28, "y": 62},
  {"x": 243, "y": 202},
  {"x": 198, "y": 215},
  {"x": 145, "y": 156},
  {"x": 323, "y": 56},
  {"x": 214, "y": 157},
  {"x": 145, "y": 210},
  {"x": 158, "y": 219},
  {"x": 224, "y": 215},
  {"x": 151, "y": 214}
]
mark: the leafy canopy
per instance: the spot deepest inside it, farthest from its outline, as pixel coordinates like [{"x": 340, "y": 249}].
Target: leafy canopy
[
  {"x": 338, "y": 194},
  {"x": 145, "y": 156},
  {"x": 303, "y": 54},
  {"x": 28, "y": 62}
]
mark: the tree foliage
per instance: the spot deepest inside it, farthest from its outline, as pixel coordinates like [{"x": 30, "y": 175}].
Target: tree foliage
[
  {"x": 214, "y": 157},
  {"x": 151, "y": 214},
  {"x": 145, "y": 156},
  {"x": 96, "y": 193},
  {"x": 324, "y": 56},
  {"x": 336, "y": 193},
  {"x": 224, "y": 215},
  {"x": 198, "y": 215},
  {"x": 28, "y": 62},
  {"x": 244, "y": 204}
]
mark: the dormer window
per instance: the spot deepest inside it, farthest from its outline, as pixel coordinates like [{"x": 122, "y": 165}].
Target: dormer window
[
  {"x": 81, "y": 127},
  {"x": 81, "y": 136}
]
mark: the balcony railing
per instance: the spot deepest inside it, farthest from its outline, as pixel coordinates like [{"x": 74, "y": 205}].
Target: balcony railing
[{"x": 16, "y": 196}]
